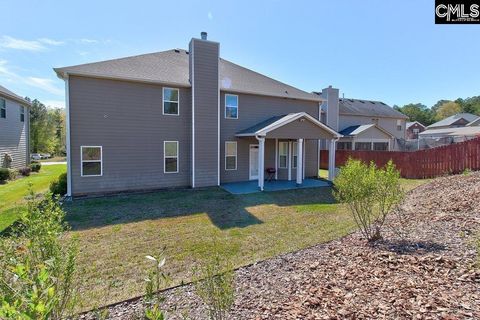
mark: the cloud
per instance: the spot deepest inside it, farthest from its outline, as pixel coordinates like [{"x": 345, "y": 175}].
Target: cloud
[
  {"x": 210, "y": 15},
  {"x": 44, "y": 84},
  {"x": 41, "y": 44},
  {"x": 87, "y": 41},
  {"x": 48, "y": 85},
  {"x": 54, "y": 103}
]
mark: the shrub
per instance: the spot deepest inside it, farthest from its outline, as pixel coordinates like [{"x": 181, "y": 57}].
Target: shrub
[
  {"x": 4, "y": 174},
  {"x": 370, "y": 193},
  {"x": 12, "y": 174},
  {"x": 25, "y": 171},
  {"x": 155, "y": 280},
  {"x": 35, "y": 166},
  {"x": 59, "y": 186},
  {"x": 214, "y": 284},
  {"x": 37, "y": 267}
]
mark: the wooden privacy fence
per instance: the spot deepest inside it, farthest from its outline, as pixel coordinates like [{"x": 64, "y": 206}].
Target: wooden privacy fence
[{"x": 451, "y": 159}]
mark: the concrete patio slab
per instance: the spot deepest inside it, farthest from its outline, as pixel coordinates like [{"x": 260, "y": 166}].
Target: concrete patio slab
[{"x": 245, "y": 187}]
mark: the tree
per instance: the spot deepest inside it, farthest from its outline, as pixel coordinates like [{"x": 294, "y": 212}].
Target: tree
[
  {"x": 47, "y": 129},
  {"x": 417, "y": 112},
  {"x": 447, "y": 109}
]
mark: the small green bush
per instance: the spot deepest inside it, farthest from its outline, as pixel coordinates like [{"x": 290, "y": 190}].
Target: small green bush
[
  {"x": 4, "y": 174},
  {"x": 35, "y": 166},
  {"x": 59, "y": 186},
  {"x": 370, "y": 193},
  {"x": 214, "y": 283},
  {"x": 38, "y": 265},
  {"x": 25, "y": 171},
  {"x": 13, "y": 174}
]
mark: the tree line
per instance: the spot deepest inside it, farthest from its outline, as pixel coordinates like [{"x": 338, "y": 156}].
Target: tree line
[
  {"x": 47, "y": 129},
  {"x": 440, "y": 110}
]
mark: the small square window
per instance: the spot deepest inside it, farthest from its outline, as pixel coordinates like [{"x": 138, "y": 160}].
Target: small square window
[
  {"x": 171, "y": 101},
  {"x": 170, "y": 156},
  {"x": 231, "y": 106},
  {"x": 91, "y": 159}
]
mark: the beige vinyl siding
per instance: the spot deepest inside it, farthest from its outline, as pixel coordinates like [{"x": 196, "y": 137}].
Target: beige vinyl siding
[
  {"x": 14, "y": 135},
  {"x": 253, "y": 109},
  {"x": 126, "y": 119},
  {"x": 389, "y": 124},
  {"x": 205, "y": 85}
]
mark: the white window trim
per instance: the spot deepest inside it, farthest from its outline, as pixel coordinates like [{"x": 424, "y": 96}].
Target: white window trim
[
  {"x": 82, "y": 161},
  {"x": 236, "y": 155},
  {"x": 170, "y": 157},
  {"x": 294, "y": 155},
  {"x": 238, "y": 103},
  {"x": 280, "y": 154},
  {"x": 163, "y": 102}
]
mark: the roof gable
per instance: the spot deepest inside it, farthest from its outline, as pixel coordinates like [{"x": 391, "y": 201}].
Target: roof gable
[
  {"x": 368, "y": 108},
  {"x": 4, "y": 92},
  {"x": 172, "y": 67},
  {"x": 468, "y": 117},
  {"x": 364, "y": 130}
]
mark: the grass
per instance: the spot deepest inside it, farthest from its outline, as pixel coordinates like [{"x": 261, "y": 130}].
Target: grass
[
  {"x": 13, "y": 192},
  {"x": 116, "y": 233},
  {"x": 54, "y": 159}
]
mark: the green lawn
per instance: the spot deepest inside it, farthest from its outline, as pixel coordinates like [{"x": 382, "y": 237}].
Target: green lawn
[
  {"x": 12, "y": 193},
  {"x": 116, "y": 233}
]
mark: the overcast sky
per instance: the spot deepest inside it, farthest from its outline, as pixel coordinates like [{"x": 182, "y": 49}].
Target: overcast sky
[{"x": 378, "y": 50}]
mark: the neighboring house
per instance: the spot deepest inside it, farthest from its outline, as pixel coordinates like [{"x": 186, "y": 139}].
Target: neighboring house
[
  {"x": 459, "y": 133},
  {"x": 413, "y": 129},
  {"x": 474, "y": 123},
  {"x": 14, "y": 129},
  {"x": 365, "y": 124},
  {"x": 186, "y": 118},
  {"x": 455, "y": 121}
]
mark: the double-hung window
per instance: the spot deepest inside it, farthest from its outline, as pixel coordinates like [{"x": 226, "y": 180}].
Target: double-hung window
[
  {"x": 294, "y": 155},
  {"x": 22, "y": 114},
  {"x": 171, "y": 101},
  {"x": 170, "y": 156},
  {"x": 91, "y": 157},
  {"x": 282, "y": 154},
  {"x": 230, "y": 155},
  {"x": 231, "y": 106},
  {"x": 399, "y": 125},
  {"x": 3, "y": 108}
]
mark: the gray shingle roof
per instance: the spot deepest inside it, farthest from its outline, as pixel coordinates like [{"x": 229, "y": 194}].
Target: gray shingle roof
[
  {"x": 261, "y": 125},
  {"x": 355, "y": 130},
  {"x": 452, "y": 119},
  {"x": 368, "y": 108},
  {"x": 9, "y": 94},
  {"x": 171, "y": 67},
  {"x": 409, "y": 124}
]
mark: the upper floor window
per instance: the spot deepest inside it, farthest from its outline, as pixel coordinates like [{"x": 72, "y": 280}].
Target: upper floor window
[
  {"x": 3, "y": 108},
  {"x": 171, "y": 101},
  {"x": 399, "y": 125},
  {"x": 22, "y": 113},
  {"x": 170, "y": 156},
  {"x": 92, "y": 165},
  {"x": 230, "y": 155},
  {"x": 231, "y": 106},
  {"x": 282, "y": 154}
]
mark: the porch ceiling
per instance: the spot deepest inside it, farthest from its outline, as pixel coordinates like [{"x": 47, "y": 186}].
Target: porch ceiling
[{"x": 291, "y": 126}]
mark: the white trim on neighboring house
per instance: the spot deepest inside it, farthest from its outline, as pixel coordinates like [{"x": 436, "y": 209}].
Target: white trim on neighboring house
[
  {"x": 163, "y": 102},
  {"x": 170, "y": 157},
  {"x": 236, "y": 155},
  {"x": 67, "y": 133},
  {"x": 82, "y": 161},
  {"x": 238, "y": 106}
]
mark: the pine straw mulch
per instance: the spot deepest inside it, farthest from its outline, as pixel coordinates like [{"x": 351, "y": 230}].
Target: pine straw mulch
[{"x": 432, "y": 275}]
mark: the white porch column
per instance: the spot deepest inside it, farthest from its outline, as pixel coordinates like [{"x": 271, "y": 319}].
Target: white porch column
[
  {"x": 299, "y": 161},
  {"x": 261, "y": 162},
  {"x": 331, "y": 160},
  {"x": 276, "y": 159}
]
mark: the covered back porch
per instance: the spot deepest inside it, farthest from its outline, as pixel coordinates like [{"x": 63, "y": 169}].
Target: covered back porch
[{"x": 290, "y": 134}]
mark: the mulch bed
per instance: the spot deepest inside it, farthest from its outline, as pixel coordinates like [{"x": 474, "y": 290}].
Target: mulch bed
[{"x": 430, "y": 274}]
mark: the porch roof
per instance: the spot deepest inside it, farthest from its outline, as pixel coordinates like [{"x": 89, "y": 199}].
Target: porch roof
[
  {"x": 274, "y": 123},
  {"x": 358, "y": 130}
]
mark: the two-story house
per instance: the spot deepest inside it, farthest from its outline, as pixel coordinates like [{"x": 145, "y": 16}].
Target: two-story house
[
  {"x": 14, "y": 130},
  {"x": 186, "y": 119}
]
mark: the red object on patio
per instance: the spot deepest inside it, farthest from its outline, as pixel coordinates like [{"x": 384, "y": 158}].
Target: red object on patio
[{"x": 271, "y": 173}]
